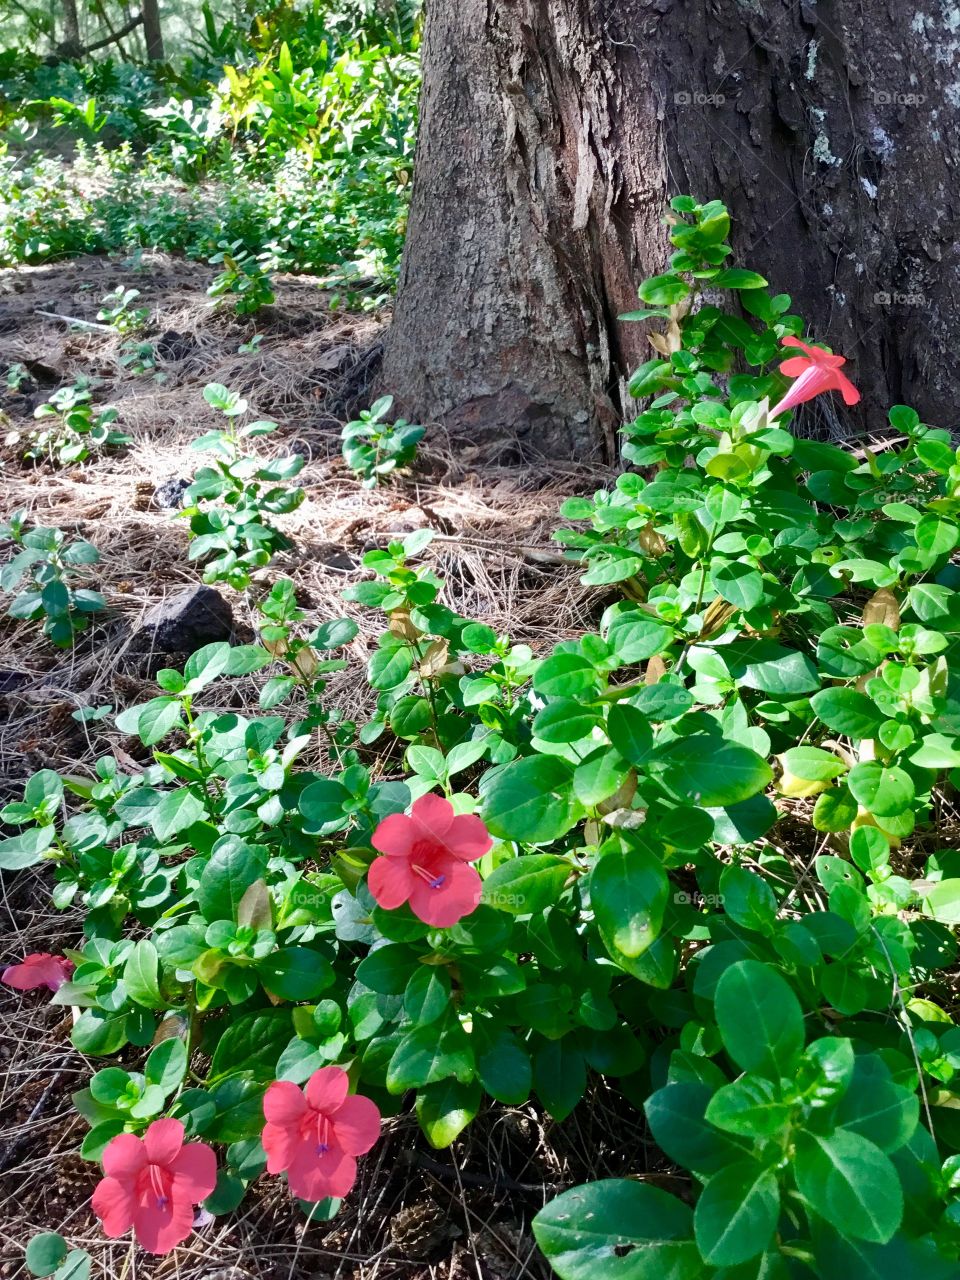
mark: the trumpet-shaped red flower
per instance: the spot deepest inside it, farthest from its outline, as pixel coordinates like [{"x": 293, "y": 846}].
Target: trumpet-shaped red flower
[
  {"x": 815, "y": 372},
  {"x": 152, "y": 1184},
  {"x": 424, "y": 862},
  {"x": 39, "y": 970},
  {"x": 314, "y": 1136}
]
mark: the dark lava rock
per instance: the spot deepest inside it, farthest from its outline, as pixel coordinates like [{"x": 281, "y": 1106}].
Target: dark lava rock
[
  {"x": 175, "y": 346},
  {"x": 184, "y": 622},
  {"x": 170, "y": 493},
  {"x": 11, "y": 680}
]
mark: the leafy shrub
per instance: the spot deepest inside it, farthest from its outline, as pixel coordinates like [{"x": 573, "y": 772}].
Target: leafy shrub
[
  {"x": 50, "y": 564},
  {"x": 234, "y": 532},
  {"x": 374, "y": 449},
  {"x": 75, "y": 429},
  {"x": 695, "y": 852},
  {"x": 116, "y": 311},
  {"x": 243, "y": 279}
]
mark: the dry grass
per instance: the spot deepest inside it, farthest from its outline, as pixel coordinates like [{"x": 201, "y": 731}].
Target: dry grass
[{"x": 451, "y": 1215}]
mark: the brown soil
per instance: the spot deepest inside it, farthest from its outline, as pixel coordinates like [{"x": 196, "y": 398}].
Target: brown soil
[{"x": 457, "y": 1214}]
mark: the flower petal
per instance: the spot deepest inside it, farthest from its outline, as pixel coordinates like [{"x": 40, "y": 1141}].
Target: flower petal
[
  {"x": 194, "y": 1172},
  {"x": 357, "y": 1124},
  {"x": 390, "y": 880},
  {"x": 313, "y": 1177},
  {"x": 113, "y": 1203},
  {"x": 38, "y": 970},
  {"x": 468, "y": 838},
  {"x": 396, "y": 835},
  {"x": 433, "y": 816},
  {"x": 163, "y": 1141},
  {"x": 284, "y": 1103},
  {"x": 160, "y": 1230},
  {"x": 124, "y": 1156},
  {"x": 327, "y": 1088},
  {"x": 846, "y": 388},
  {"x": 455, "y": 898},
  {"x": 280, "y": 1143},
  {"x": 795, "y": 366}
]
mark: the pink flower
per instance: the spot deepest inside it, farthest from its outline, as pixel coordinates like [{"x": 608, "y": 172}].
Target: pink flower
[
  {"x": 424, "y": 862},
  {"x": 152, "y": 1184},
  {"x": 314, "y": 1135},
  {"x": 815, "y": 372},
  {"x": 38, "y": 970}
]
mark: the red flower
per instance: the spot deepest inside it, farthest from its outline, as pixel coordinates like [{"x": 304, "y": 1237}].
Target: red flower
[
  {"x": 425, "y": 861},
  {"x": 314, "y": 1137},
  {"x": 815, "y": 372},
  {"x": 152, "y": 1185},
  {"x": 38, "y": 970}
]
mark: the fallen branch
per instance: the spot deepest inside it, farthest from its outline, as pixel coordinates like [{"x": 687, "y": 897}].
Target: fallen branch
[{"x": 81, "y": 324}]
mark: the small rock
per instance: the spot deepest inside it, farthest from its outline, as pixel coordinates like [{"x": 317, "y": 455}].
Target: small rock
[
  {"x": 10, "y": 679},
  {"x": 170, "y": 493},
  {"x": 184, "y": 622}
]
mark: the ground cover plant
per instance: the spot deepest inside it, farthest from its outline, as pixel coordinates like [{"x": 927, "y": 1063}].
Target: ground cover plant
[
  {"x": 285, "y": 146},
  {"x": 696, "y": 854}
]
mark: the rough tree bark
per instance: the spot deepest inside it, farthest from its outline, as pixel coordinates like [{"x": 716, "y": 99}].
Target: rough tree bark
[
  {"x": 152, "y": 31},
  {"x": 552, "y": 134}
]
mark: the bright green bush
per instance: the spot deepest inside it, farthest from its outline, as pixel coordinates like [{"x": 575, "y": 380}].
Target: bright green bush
[{"x": 697, "y": 852}]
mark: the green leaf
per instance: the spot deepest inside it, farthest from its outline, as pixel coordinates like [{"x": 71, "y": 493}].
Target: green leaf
[
  {"x": 884, "y": 791},
  {"x": 559, "y": 1076},
  {"x": 232, "y": 869},
  {"x": 630, "y": 733},
  {"x": 878, "y": 1108},
  {"x": 713, "y": 772},
  {"x": 676, "y": 1116},
  {"x": 738, "y": 583},
  {"x": 737, "y": 278},
  {"x": 140, "y": 975},
  {"x": 751, "y": 1107},
  {"x": 253, "y": 1043},
  {"x": 45, "y": 1253},
  {"x": 427, "y": 994},
  {"x": 295, "y": 973},
  {"x": 176, "y": 811},
  {"x": 100, "y": 1033},
  {"x": 759, "y": 1018},
  {"x": 748, "y": 899},
  {"x": 849, "y": 712},
  {"x": 565, "y": 720},
  {"x": 156, "y": 720},
  {"x": 942, "y": 901},
  {"x": 849, "y": 1182},
  {"x": 445, "y": 1109},
  {"x": 663, "y": 291},
  {"x": 529, "y": 800},
  {"x": 736, "y": 1214},
  {"x": 167, "y": 1064},
  {"x": 617, "y": 1229},
  {"x": 504, "y": 1069},
  {"x": 429, "y": 1054},
  {"x": 527, "y": 885},
  {"x": 27, "y": 848},
  {"x": 565, "y": 675},
  {"x": 628, "y": 892},
  {"x": 388, "y": 668}
]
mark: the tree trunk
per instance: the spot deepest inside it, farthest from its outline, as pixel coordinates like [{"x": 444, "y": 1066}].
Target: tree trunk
[
  {"x": 70, "y": 46},
  {"x": 152, "y": 32},
  {"x": 554, "y": 131}
]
